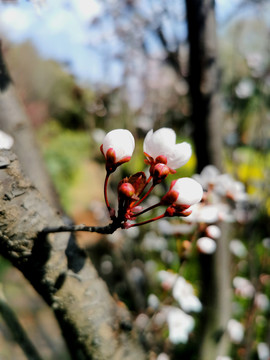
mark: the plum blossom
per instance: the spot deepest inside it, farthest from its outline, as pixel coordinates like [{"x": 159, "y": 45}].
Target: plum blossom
[
  {"x": 243, "y": 287},
  {"x": 6, "y": 141},
  {"x": 153, "y": 301},
  {"x": 183, "y": 292},
  {"x": 160, "y": 146},
  {"x": 236, "y": 331},
  {"x": 163, "y": 356},
  {"x": 262, "y": 302},
  {"x": 118, "y": 146},
  {"x": 263, "y": 351},
  {"x": 206, "y": 245},
  {"x": 167, "y": 279},
  {"x": 244, "y": 88},
  {"x": 237, "y": 248},
  {"x": 184, "y": 191},
  {"x": 213, "y": 231},
  {"x": 180, "y": 325}
]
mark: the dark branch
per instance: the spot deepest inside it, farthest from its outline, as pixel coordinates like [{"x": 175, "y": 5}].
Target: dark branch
[{"x": 108, "y": 229}]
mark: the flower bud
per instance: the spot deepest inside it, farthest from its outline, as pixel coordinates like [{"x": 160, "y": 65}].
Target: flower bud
[
  {"x": 190, "y": 191},
  {"x": 117, "y": 148},
  {"x": 159, "y": 172},
  {"x": 126, "y": 189}
]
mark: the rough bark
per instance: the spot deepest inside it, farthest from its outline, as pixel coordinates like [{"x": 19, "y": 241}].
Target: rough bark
[
  {"x": 204, "y": 82},
  {"x": 206, "y": 117},
  {"x": 91, "y": 323}
]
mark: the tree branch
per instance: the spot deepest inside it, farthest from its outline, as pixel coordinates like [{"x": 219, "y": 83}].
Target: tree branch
[{"x": 91, "y": 322}]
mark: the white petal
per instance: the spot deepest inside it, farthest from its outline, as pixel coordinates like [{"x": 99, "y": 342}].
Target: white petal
[
  {"x": 190, "y": 191},
  {"x": 121, "y": 141},
  {"x": 206, "y": 245},
  {"x": 179, "y": 155},
  {"x": 6, "y": 141},
  {"x": 159, "y": 142}
]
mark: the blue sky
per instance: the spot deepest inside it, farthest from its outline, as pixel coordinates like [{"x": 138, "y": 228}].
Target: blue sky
[{"x": 60, "y": 31}]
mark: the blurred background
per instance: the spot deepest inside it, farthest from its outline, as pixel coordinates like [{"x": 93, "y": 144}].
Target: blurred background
[{"x": 84, "y": 67}]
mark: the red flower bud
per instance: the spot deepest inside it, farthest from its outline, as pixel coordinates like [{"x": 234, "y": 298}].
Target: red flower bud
[
  {"x": 159, "y": 172},
  {"x": 126, "y": 189},
  {"x": 161, "y": 159}
]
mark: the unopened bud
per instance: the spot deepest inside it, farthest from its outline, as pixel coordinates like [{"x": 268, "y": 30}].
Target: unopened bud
[
  {"x": 159, "y": 172},
  {"x": 161, "y": 159},
  {"x": 110, "y": 156},
  {"x": 126, "y": 189},
  {"x": 170, "y": 197}
]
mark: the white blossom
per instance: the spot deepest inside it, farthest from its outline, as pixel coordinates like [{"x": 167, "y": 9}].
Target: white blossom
[
  {"x": 163, "y": 356},
  {"x": 167, "y": 279},
  {"x": 203, "y": 213},
  {"x": 262, "y": 302},
  {"x": 121, "y": 141},
  {"x": 163, "y": 143},
  {"x": 237, "y": 248},
  {"x": 153, "y": 301},
  {"x": 243, "y": 287},
  {"x": 244, "y": 88},
  {"x": 207, "y": 176},
  {"x": 235, "y": 330},
  {"x": 213, "y": 231},
  {"x": 190, "y": 191},
  {"x": 180, "y": 325},
  {"x": 206, "y": 245},
  {"x": 263, "y": 351},
  {"x": 153, "y": 242},
  {"x": 6, "y": 141},
  {"x": 183, "y": 292}
]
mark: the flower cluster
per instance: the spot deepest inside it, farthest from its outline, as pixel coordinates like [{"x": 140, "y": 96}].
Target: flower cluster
[{"x": 164, "y": 156}]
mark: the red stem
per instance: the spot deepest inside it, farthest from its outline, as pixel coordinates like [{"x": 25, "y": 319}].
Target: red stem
[
  {"x": 144, "y": 197},
  {"x": 147, "y": 209},
  {"x": 147, "y": 182},
  {"x": 148, "y": 221},
  {"x": 105, "y": 191}
]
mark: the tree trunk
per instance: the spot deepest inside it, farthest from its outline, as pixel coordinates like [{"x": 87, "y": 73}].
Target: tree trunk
[
  {"x": 91, "y": 323},
  {"x": 204, "y": 82},
  {"x": 207, "y": 133}
]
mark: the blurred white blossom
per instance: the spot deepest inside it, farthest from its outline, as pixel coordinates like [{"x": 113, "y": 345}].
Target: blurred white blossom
[
  {"x": 262, "y": 302},
  {"x": 183, "y": 292},
  {"x": 153, "y": 242},
  {"x": 163, "y": 356},
  {"x": 206, "y": 245},
  {"x": 167, "y": 279},
  {"x": 153, "y": 301},
  {"x": 244, "y": 89},
  {"x": 237, "y": 248},
  {"x": 213, "y": 231},
  {"x": 243, "y": 287},
  {"x": 263, "y": 351},
  {"x": 235, "y": 330},
  {"x": 6, "y": 141},
  {"x": 180, "y": 325}
]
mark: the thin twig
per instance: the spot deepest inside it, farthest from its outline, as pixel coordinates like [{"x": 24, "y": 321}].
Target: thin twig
[{"x": 108, "y": 229}]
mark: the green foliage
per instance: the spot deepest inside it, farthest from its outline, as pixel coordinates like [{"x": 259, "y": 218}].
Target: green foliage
[{"x": 64, "y": 151}]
